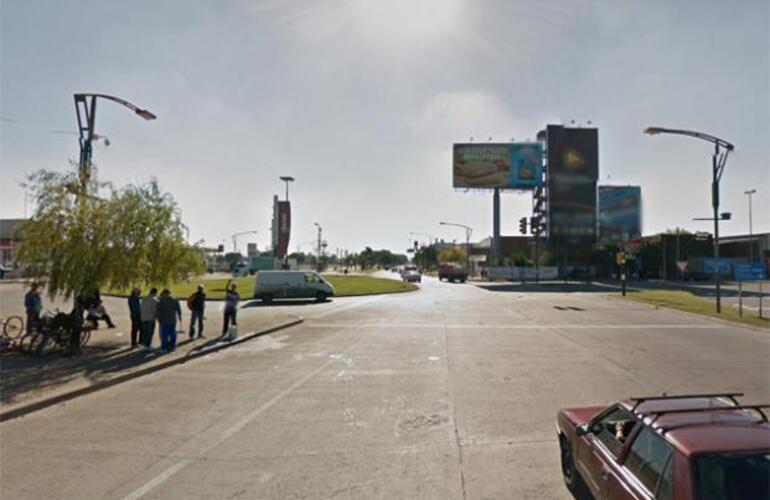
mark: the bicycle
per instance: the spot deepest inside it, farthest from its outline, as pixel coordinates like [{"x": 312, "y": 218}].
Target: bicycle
[
  {"x": 13, "y": 328},
  {"x": 55, "y": 333}
]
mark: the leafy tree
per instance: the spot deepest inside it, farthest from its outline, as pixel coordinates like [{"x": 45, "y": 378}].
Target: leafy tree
[
  {"x": 426, "y": 257},
  {"x": 453, "y": 254},
  {"x": 233, "y": 259},
  {"x": 79, "y": 241}
]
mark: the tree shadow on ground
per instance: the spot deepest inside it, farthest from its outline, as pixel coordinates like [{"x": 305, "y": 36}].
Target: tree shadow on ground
[{"x": 22, "y": 375}]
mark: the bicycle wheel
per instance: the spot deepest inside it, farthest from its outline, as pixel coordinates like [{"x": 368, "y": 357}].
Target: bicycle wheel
[
  {"x": 13, "y": 328},
  {"x": 85, "y": 336},
  {"x": 43, "y": 344},
  {"x": 25, "y": 342}
]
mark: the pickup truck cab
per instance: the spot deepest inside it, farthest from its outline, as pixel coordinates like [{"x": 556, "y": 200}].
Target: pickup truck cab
[{"x": 688, "y": 447}]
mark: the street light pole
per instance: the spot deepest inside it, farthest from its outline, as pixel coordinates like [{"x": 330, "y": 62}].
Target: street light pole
[
  {"x": 430, "y": 236},
  {"x": 749, "y": 193},
  {"x": 287, "y": 179},
  {"x": 85, "y": 108},
  {"x": 235, "y": 237},
  {"x": 718, "y": 160},
  {"x": 319, "y": 244},
  {"x": 468, "y": 232}
]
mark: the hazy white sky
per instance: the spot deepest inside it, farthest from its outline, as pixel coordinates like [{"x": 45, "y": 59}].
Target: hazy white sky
[{"x": 361, "y": 100}]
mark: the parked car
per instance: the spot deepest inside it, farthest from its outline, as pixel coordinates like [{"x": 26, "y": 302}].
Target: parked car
[
  {"x": 686, "y": 447},
  {"x": 4, "y": 271},
  {"x": 452, "y": 271},
  {"x": 270, "y": 285},
  {"x": 411, "y": 276}
]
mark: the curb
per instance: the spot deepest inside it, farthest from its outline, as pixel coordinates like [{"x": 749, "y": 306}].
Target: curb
[{"x": 198, "y": 352}]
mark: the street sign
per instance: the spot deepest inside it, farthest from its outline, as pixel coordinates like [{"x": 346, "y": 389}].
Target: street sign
[
  {"x": 682, "y": 265},
  {"x": 749, "y": 272}
]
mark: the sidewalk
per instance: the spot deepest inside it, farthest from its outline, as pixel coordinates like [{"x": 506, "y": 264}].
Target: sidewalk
[{"x": 27, "y": 381}]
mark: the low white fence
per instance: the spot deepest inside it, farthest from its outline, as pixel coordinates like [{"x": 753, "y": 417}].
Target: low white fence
[{"x": 523, "y": 273}]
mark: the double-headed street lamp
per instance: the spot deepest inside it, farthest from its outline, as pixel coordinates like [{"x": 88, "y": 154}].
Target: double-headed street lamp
[
  {"x": 287, "y": 179},
  {"x": 468, "y": 232},
  {"x": 85, "y": 107},
  {"x": 721, "y": 149}
]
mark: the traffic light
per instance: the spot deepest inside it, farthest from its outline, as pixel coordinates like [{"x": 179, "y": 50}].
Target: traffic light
[
  {"x": 523, "y": 225},
  {"x": 221, "y": 248},
  {"x": 534, "y": 225}
]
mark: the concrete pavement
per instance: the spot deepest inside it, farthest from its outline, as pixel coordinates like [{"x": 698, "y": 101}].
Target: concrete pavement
[{"x": 446, "y": 393}]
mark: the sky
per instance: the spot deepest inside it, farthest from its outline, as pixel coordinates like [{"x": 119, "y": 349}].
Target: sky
[{"x": 361, "y": 100}]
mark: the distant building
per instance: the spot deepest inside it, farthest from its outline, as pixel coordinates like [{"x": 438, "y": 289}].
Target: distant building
[{"x": 8, "y": 240}]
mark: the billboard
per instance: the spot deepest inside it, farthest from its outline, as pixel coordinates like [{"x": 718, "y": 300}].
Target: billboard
[
  {"x": 504, "y": 166},
  {"x": 620, "y": 213},
  {"x": 573, "y": 170},
  {"x": 284, "y": 229}
]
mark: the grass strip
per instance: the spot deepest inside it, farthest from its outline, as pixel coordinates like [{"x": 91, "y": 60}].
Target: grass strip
[
  {"x": 344, "y": 285},
  {"x": 686, "y": 301}
]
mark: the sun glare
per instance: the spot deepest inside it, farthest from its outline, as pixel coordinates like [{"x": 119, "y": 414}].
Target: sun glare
[{"x": 404, "y": 21}]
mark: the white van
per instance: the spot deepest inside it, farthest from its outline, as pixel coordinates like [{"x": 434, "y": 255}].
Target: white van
[{"x": 271, "y": 285}]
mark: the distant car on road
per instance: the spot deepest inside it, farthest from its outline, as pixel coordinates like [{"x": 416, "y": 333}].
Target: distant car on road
[
  {"x": 452, "y": 271},
  {"x": 687, "y": 447},
  {"x": 411, "y": 275},
  {"x": 271, "y": 285}
]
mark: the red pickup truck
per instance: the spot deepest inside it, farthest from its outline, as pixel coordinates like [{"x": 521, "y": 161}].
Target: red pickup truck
[{"x": 687, "y": 447}]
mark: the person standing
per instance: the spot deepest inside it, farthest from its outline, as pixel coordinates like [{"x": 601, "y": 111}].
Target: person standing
[
  {"x": 135, "y": 311},
  {"x": 149, "y": 313},
  {"x": 168, "y": 312},
  {"x": 197, "y": 305},
  {"x": 231, "y": 308},
  {"x": 33, "y": 304}
]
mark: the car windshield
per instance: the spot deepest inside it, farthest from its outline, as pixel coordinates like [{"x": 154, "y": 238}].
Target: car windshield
[{"x": 733, "y": 476}]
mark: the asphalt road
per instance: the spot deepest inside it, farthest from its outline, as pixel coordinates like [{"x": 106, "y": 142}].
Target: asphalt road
[{"x": 446, "y": 393}]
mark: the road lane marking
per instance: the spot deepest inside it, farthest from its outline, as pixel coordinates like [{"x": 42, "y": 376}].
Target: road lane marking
[
  {"x": 240, "y": 424},
  {"x": 158, "y": 480}
]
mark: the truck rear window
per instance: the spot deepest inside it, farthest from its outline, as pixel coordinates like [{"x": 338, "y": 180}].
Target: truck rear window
[{"x": 734, "y": 476}]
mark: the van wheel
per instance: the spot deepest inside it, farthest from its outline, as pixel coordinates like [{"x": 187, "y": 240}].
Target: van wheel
[
  {"x": 267, "y": 298},
  {"x": 320, "y": 297}
]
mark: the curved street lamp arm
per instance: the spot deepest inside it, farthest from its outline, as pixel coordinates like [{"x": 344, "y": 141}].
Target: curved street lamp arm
[
  {"x": 698, "y": 135},
  {"x": 147, "y": 115}
]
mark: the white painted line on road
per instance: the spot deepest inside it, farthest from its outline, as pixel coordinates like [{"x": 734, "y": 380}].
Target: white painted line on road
[
  {"x": 517, "y": 326},
  {"x": 240, "y": 424},
  {"x": 158, "y": 480}
]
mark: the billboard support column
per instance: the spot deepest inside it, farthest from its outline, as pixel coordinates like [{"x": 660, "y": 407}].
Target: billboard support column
[{"x": 496, "y": 227}]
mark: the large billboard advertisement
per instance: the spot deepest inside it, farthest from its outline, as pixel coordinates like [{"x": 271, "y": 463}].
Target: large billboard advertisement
[
  {"x": 504, "y": 166},
  {"x": 284, "y": 229},
  {"x": 620, "y": 213},
  {"x": 573, "y": 170}
]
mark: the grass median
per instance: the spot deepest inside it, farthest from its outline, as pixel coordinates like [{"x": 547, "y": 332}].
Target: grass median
[
  {"x": 344, "y": 286},
  {"x": 688, "y": 302}
]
